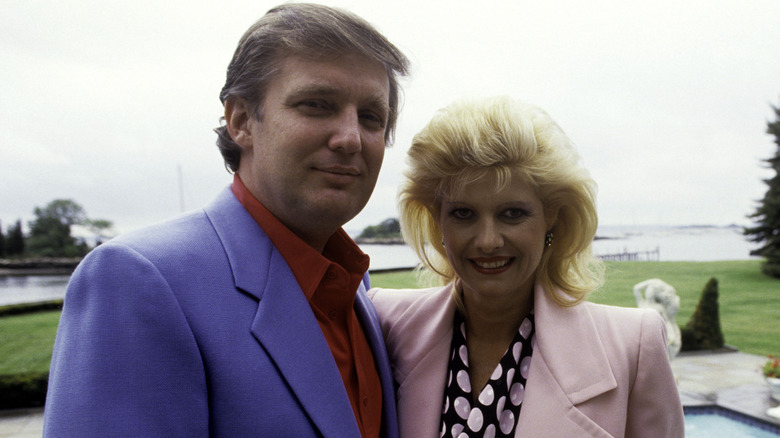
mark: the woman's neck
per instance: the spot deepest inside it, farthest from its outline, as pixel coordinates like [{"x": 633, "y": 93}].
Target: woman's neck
[{"x": 490, "y": 328}]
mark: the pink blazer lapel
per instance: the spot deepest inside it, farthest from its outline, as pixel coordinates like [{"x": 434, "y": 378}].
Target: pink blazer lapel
[
  {"x": 556, "y": 384},
  {"x": 419, "y": 347}
]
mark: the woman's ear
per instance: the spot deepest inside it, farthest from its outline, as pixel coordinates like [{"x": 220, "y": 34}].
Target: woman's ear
[
  {"x": 551, "y": 217},
  {"x": 237, "y": 115}
]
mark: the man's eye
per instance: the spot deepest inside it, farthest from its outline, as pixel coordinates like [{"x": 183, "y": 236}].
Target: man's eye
[
  {"x": 313, "y": 105},
  {"x": 372, "y": 120}
]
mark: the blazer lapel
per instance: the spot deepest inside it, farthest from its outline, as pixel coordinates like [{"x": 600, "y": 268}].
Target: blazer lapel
[
  {"x": 284, "y": 324},
  {"x": 420, "y": 353},
  {"x": 289, "y": 332},
  {"x": 569, "y": 366},
  {"x": 370, "y": 322}
]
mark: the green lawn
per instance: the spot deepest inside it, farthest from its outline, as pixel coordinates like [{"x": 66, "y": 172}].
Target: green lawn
[
  {"x": 26, "y": 342},
  {"x": 749, "y": 301},
  {"x": 749, "y": 307}
]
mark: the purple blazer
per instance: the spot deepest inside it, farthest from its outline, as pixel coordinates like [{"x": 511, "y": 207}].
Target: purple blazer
[
  {"x": 596, "y": 371},
  {"x": 197, "y": 328}
]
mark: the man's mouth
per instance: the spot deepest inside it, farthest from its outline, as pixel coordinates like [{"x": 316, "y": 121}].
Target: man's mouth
[{"x": 339, "y": 170}]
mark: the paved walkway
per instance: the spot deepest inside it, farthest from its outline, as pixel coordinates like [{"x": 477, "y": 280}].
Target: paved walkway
[
  {"x": 23, "y": 423},
  {"x": 730, "y": 379}
]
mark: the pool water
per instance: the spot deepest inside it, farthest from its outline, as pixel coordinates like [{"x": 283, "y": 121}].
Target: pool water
[{"x": 717, "y": 422}]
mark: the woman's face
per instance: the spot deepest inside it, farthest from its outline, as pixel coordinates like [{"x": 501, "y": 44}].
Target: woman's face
[{"x": 495, "y": 239}]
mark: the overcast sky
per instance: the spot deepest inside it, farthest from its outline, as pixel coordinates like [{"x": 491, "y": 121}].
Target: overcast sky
[{"x": 112, "y": 103}]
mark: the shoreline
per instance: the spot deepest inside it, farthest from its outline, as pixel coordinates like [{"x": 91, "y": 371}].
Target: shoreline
[{"x": 38, "y": 266}]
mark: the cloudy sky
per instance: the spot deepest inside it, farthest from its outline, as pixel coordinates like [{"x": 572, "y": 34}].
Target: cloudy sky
[{"x": 112, "y": 103}]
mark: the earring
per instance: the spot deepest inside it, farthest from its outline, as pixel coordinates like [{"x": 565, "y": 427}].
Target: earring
[
  {"x": 442, "y": 242},
  {"x": 548, "y": 239}
]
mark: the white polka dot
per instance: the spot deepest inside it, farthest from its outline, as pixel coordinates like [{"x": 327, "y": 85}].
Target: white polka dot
[
  {"x": 463, "y": 329},
  {"x": 463, "y": 352},
  {"x": 490, "y": 431},
  {"x": 525, "y": 365},
  {"x": 462, "y": 408},
  {"x": 533, "y": 342},
  {"x": 443, "y": 430},
  {"x": 449, "y": 378},
  {"x": 487, "y": 395},
  {"x": 525, "y": 328},
  {"x": 506, "y": 421},
  {"x": 463, "y": 381},
  {"x": 475, "y": 420},
  {"x": 463, "y": 435},
  {"x": 446, "y": 404},
  {"x": 457, "y": 429},
  {"x": 497, "y": 373},
  {"x": 510, "y": 377},
  {"x": 517, "y": 393},
  {"x": 516, "y": 349},
  {"x": 500, "y": 406}
]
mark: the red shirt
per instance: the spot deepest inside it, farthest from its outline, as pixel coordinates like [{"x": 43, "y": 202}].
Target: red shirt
[{"x": 330, "y": 281}]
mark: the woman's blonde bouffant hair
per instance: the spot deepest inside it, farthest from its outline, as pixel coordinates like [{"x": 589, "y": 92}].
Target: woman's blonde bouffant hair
[{"x": 469, "y": 140}]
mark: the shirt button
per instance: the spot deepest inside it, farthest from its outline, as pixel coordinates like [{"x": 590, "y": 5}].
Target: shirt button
[
  {"x": 332, "y": 314},
  {"x": 365, "y": 401}
]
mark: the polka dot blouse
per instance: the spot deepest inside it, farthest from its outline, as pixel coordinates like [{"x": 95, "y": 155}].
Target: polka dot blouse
[{"x": 495, "y": 412}]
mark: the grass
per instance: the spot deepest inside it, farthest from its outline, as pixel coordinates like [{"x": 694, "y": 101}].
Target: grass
[
  {"x": 26, "y": 342},
  {"x": 749, "y": 307},
  {"x": 749, "y": 301}
]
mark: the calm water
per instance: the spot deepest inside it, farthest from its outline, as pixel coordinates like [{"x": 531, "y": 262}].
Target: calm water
[
  {"x": 673, "y": 244},
  {"x": 717, "y": 426},
  {"x": 31, "y": 288}
]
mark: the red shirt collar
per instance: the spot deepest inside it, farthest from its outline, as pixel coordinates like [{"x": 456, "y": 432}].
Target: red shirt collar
[{"x": 307, "y": 265}]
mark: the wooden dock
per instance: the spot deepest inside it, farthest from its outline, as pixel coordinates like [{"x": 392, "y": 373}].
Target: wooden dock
[{"x": 637, "y": 256}]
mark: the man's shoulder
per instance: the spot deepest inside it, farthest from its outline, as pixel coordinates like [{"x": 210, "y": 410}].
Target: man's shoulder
[
  {"x": 174, "y": 231},
  {"x": 191, "y": 229}
]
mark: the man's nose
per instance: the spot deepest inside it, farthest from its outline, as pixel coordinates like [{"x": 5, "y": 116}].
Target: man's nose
[{"x": 346, "y": 133}]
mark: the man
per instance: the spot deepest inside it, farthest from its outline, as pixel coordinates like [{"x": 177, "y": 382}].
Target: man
[{"x": 250, "y": 318}]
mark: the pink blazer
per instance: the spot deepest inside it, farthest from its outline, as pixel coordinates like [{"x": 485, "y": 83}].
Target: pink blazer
[{"x": 596, "y": 371}]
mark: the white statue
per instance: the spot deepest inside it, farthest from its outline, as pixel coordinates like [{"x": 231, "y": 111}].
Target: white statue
[{"x": 659, "y": 295}]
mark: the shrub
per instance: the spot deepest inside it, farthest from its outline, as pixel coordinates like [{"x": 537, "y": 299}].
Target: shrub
[
  {"x": 23, "y": 390},
  {"x": 702, "y": 332}
]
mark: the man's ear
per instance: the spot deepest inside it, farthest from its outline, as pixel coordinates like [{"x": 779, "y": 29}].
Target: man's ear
[{"x": 237, "y": 115}]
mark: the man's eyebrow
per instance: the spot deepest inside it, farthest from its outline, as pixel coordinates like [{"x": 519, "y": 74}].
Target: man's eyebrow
[
  {"x": 313, "y": 89},
  {"x": 378, "y": 100}
]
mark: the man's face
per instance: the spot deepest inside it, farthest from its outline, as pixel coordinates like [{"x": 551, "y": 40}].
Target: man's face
[{"x": 315, "y": 154}]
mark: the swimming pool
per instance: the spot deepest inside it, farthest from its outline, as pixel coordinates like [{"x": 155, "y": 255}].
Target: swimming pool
[{"x": 714, "y": 421}]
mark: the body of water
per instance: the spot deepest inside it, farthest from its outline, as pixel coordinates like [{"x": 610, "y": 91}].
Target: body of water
[
  {"x": 671, "y": 243},
  {"x": 31, "y": 288}
]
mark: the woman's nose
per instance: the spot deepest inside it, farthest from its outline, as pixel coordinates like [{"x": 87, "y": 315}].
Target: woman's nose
[{"x": 489, "y": 237}]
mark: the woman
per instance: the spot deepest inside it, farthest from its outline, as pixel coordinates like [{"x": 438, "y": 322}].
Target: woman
[{"x": 498, "y": 206}]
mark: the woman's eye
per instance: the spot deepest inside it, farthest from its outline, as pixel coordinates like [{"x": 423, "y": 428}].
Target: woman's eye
[
  {"x": 515, "y": 213},
  {"x": 460, "y": 213}
]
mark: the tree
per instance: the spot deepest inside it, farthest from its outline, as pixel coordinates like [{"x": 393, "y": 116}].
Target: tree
[
  {"x": 703, "y": 332},
  {"x": 387, "y": 229},
  {"x": 766, "y": 230},
  {"x": 100, "y": 228},
  {"x": 50, "y": 231},
  {"x": 2, "y": 242},
  {"x": 14, "y": 244}
]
